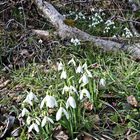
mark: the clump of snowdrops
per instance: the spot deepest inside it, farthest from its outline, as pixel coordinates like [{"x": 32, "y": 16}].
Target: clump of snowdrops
[
  {"x": 64, "y": 107},
  {"x": 98, "y": 23}
]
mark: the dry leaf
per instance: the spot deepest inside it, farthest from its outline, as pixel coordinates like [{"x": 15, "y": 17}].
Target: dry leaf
[
  {"x": 88, "y": 106},
  {"x": 87, "y": 136},
  {"x": 132, "y": 101},
  {"x": 133, "y": 137},
  {"x": 59, "y": 134},
  {"x": 95, "y": 65},
  {"x": 24, "y": 52},
  {"x": 2, "y": 85}
]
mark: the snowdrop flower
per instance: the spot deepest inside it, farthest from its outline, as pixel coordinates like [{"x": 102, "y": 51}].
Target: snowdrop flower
[
  {"x": 75, "y": 41},
  {"x": 92, "y": 9},
  {"x": 50, "y": 101},
  {"x": 37, "y": 120},
  {"x": 63, "y": 75},
  {"x": 72, "y": 40},
  {"x": 127, "y": 33},
  {"x": 60, "y": 66},
  {"x": 79, "y": 69},
  {"x": 28, "y": 121},
  {"x": 109, "y": 24},
  {"x": 45, "y": 120},
  {"x": 30, "y": 97},
  {"x": 65, "y": 88},
  {"x": 40, "y": 41},
  {"x": 33, "y": 126},
  {"x": 89, "y": 73},
  {"x": 86, "y": 92},
  {"x": 84, "y": 79},
  {"x": 59, "y": 113},
  {"x": 72, "y": 62},
  {"x": 102, "y": 83},
  {"x": 73, "y": 89},
  {"x": 70, "y": 89},
  {"x": 24, "y": 112},
  {"x": 84, "y": 66},
  {"x": 71, "y": 102}
]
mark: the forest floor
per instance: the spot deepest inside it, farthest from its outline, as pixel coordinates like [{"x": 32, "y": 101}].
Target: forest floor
[{"x": 29, "y": 64}]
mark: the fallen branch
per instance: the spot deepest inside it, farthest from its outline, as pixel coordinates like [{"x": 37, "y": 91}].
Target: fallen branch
[{"x": 65, "y": 31}]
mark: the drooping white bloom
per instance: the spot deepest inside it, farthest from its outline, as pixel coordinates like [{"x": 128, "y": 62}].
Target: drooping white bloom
[
  {"x": 84, "y": 79},
  {"x": 72, "y": 40},
  {"x": 65, "y": 89},
  {"x": 89, "y": 73},
  {"x": 102, "y": 82},
  {"x": 63, "y": 75},
  {"x": 70, "y": 89},
  {"x": 59, "y": 113},
  {"x": 71, "y": 102},
  {"x": 30, "y": 97},
  {"x": 50, "y": 101},
  {"x": 33, "y": 126},
  {"x": 85, "y": 66},
  {"x": 28, "y": 120},
  {"x": 127, "y": 33},
  {"x": 79, "y": 69},
  {"x": 40, "y": 41},
  {"x": 45, "y": 120},
  {"x": 86, "y": 92},
  {"x": 60, "y": 66},
  {"x": 24, "y": 112},
  {"x": 73, "y": 89},
  {"x": 37, "y": 120},
  {"x": 72, "y": 62},
  {"x": 75, "y": 41}
]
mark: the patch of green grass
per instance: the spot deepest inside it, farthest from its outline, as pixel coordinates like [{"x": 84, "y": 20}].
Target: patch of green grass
[{"x": 122, "y": 79}]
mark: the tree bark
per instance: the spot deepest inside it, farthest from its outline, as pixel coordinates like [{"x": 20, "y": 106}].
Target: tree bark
[{"x": 65, "y": 31}]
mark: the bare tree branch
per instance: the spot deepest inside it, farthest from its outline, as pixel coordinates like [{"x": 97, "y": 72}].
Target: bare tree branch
[{"x": 65, "y": 31}]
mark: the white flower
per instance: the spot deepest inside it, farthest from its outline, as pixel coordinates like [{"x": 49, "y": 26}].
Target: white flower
[
  {"x": 84, "y": 79},
  {"x": 28, "y": 121},
  {"x": 84, "y": 66},
  {"x": 86, "y": 92},
  {"x": 40, "y": 41},
  {"x": 127, "y": 33},
  {"x": 65, "y": 88},
  {"x": 72, "y": 40},
  {"x": 73, "y": 89},
  {"x": 30, "y": 97},
  {"x": 89, "y": 73},
  {"x": 75, "y": 41},
  {"x": 71, "y": 102},
  {"x": 60, "y": 66},
  {"x": 37, "y": 120},
  {"x": 33, "y": 126},
  {"x": 102, "y": 82},
  {"x": 45, "y": 120},
  {"x": 24, "y": 112},
  {"x": 63, "y": 75},
  {"x": 72, "y": 62},
  {"x": 70, "y": 89},
  {"x": 50, "y": 101},
  {"x": 79, "y": 69},
  {"x": 59, "y": 113}
]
